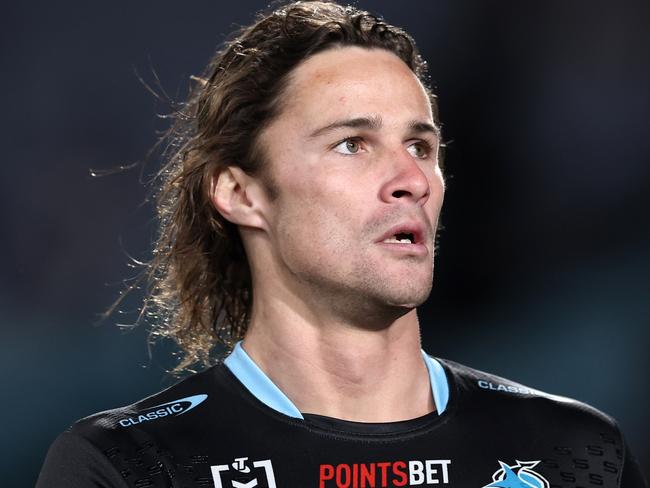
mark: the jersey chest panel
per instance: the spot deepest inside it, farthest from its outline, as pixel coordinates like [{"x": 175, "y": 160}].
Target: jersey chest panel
[{"x": 230, "y": 441}]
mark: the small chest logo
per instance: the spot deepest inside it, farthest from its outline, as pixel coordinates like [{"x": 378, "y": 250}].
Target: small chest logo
[
  {"x": 169, "y": 409},
  {"x": 519, "y": 475},
  {"x": 244, "y": 474}
]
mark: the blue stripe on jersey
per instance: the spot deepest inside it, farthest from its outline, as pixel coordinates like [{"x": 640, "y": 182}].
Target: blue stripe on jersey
[
  {"x": 439, "y": 384},
  {"x": 261, "y": 386}
]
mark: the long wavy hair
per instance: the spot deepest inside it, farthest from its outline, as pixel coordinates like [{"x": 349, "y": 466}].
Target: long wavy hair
[{"x": 199, "y": 282}]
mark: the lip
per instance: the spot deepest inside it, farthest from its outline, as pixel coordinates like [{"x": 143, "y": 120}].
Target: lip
[
  {"x": 418, "y": 247},
  {"x": 414, "y": 228}
]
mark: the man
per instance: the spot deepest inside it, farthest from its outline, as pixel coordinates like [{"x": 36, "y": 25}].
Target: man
[{"x": 299, "y": 213}]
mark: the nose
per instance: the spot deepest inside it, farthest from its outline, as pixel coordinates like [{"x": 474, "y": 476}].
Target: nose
[{"x": 406, "y": 180}]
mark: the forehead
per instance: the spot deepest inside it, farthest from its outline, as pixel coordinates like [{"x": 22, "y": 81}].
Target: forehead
[{"x": 355, "y": 81}]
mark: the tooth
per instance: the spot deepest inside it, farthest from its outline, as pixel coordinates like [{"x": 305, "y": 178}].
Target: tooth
[
  {"x": 405, "y": 241},
  {"x": 391, "y": 239}
]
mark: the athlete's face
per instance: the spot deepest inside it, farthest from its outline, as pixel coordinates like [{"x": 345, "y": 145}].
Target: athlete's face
[{"x": 354, "y": 156}]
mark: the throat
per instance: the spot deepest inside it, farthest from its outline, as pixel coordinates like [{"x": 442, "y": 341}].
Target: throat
[
  {"x": 360, "y": 388},
  {"x": 344, "y": 372}
]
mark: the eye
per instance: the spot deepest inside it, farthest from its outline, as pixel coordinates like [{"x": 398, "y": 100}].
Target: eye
[
  {"x": 420, "y": 150},
  {"x": 348, "y": 146}
]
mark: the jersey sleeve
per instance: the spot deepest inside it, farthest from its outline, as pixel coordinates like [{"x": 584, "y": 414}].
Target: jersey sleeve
[
  {"x": 632, "y": 477},
  {"x": 73, "y": 462}
]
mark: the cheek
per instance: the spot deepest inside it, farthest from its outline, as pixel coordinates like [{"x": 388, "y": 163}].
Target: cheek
[
  {"x": 433, "y": 205},
  {"x": 311, "y": 242},
  {"x": 318, "y": 221},
  {"x": 437, "y": 183},
  {"x": 311, "y": 221}
]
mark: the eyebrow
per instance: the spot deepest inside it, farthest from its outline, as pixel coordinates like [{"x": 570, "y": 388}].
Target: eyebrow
[
  {"x": 372, "y": 123},
  {"x": 420, "y": 127}
]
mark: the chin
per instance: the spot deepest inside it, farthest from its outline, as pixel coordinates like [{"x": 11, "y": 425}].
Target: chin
[{"x": 407, "y": 299}]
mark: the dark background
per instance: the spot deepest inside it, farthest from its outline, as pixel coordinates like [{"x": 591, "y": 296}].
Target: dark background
[{"x": 542, "y": 274}]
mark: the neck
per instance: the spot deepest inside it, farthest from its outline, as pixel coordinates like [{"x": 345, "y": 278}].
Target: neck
[{"x": 328, "y": 367}]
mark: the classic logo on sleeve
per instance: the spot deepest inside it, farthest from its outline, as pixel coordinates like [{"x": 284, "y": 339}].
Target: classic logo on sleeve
[
  {"x": 519, "y": 475},
  {"x": 169, "y": 409},
  {"x": 523, "y": 390},
  {"x": 244, "y": 474}
]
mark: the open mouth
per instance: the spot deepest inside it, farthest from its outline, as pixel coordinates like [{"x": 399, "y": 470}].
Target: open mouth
[{"x": 401, "y": 238}]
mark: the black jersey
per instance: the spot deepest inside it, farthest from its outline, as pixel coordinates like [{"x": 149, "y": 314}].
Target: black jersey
[{"x": 231, "y": 427}]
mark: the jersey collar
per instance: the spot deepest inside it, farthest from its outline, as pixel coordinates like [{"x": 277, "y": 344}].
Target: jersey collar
[{"x": 261, "y": 386}]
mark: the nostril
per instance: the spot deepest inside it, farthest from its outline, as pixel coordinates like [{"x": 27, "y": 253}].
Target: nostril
[{"x": 400, "y": 193}]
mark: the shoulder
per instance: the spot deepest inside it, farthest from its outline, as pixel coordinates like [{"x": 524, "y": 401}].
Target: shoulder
[
  {"x": 127, "y": 443},
  {"x": 185, "y": 403},
  {"x": 73, "y": 462},
  {"x": 499, "y": 396},
  {"x": 572, "y": 431}
]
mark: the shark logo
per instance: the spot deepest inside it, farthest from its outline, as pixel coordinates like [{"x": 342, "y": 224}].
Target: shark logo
[{"x": 519, "y": 475}]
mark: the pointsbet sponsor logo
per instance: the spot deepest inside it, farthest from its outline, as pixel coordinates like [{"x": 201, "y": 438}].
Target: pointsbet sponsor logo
[
  {"x": 391, "y": 473},
  {"x": 173, "y": 408}
]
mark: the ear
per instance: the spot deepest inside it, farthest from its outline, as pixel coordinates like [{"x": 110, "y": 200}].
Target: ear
[{"x": 239, "y": 197}]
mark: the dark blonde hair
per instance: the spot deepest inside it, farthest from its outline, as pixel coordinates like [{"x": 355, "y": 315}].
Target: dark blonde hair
[{"x": 199, "y": 278}]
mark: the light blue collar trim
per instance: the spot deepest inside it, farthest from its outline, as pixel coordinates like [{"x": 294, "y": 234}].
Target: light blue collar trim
[
  {"x": 439, "y": 383},
  {"x": 261, "y": 386}
]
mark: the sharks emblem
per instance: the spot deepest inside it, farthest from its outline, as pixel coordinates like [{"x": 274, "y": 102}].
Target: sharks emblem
[{"x": 518, "y": 475}]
